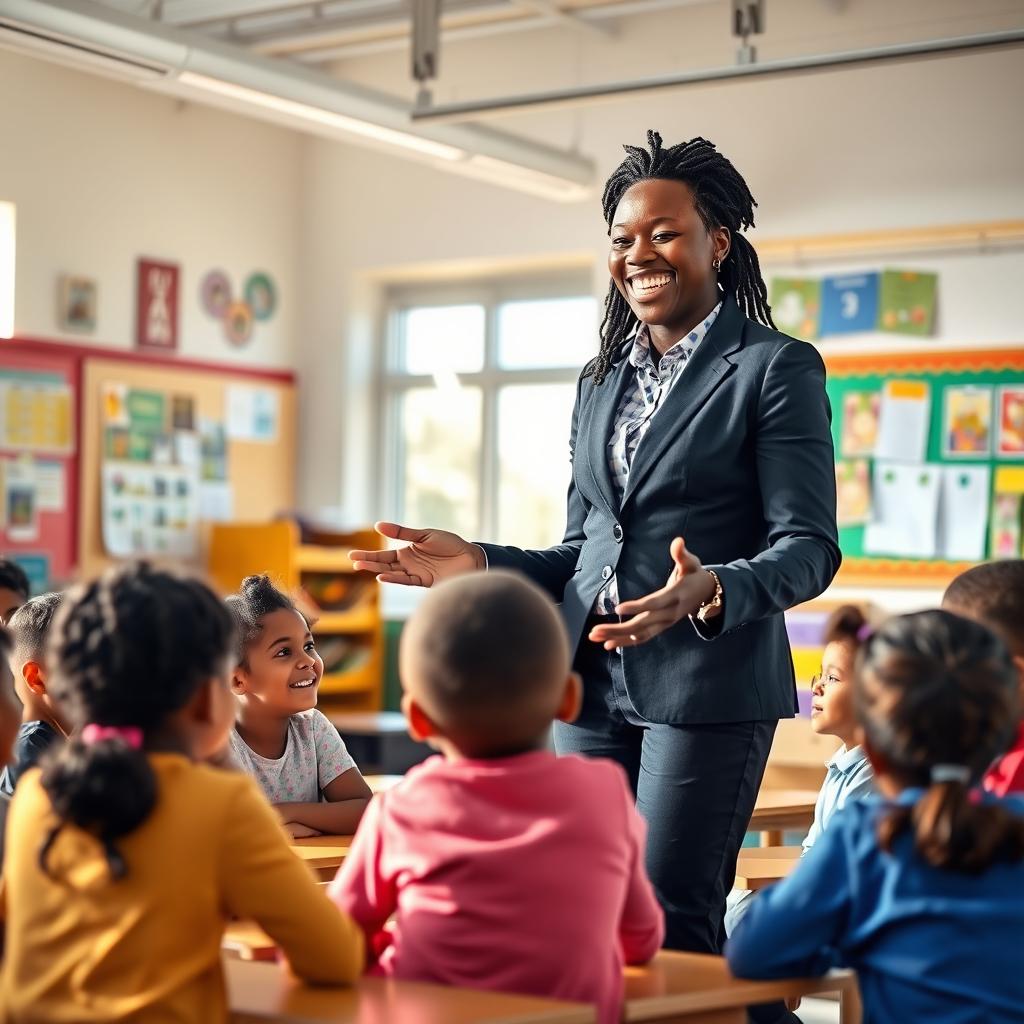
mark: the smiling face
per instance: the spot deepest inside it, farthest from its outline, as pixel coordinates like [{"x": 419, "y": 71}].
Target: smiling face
[
  {"x": 832, "y": 712},
  {"x": 661, "y": 258},
  {"x": 282, "y": 670}
]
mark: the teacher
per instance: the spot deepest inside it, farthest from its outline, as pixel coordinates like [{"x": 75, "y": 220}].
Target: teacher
[{"x": 696, "y": 419}]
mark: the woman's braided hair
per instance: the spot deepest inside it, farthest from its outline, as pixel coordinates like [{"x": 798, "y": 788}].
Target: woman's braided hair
[
  {"x": 127, "y": 649},
  {"x": 722, "y": 199},
  {"x": 936, "y": 689}
]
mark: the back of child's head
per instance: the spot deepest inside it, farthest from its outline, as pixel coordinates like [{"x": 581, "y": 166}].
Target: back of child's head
[
  {"x": 126, "y": 651},
  {"x": 487, "y": 658},
  {"x": 256, "y": 597},
  {"x": 847, "y": 625},
  {"x": 936, "y": 695},
  {"x": 992, "y": 593},
  {"x": 30, "y": 626}
]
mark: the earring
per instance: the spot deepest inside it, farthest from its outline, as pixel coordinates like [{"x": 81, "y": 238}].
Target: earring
[{"x": 716, "y": 263}]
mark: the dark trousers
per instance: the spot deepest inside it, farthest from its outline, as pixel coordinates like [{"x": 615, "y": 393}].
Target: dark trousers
[{"x": 695, "y": 786}]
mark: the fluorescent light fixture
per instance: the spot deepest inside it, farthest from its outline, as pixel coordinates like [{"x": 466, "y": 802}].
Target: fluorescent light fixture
[
  {"x": 322, "y": 117},
  {"x": 6, "y": 270},
  {"x": 526, "y": 179}
]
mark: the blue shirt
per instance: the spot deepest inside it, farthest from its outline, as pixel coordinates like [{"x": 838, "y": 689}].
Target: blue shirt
[
  {"x": 848, "y": 776},
  {"x": 34, "y": 739},
  {"x": 927, "y": 944}
]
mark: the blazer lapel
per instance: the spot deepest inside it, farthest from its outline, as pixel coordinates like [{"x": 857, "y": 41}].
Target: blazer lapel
[
  {"x": 706, "y": 369},
  {"x": 599, "y": 426}
]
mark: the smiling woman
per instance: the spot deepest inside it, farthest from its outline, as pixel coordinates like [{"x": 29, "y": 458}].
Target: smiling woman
[{"x": 696, "y": 418}]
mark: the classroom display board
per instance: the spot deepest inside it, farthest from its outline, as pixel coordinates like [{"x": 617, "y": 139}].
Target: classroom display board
[
  {"x": 38, "y": 463},
  {"x": 929, "y": 462},
  {"x": 166, "y": 451}
]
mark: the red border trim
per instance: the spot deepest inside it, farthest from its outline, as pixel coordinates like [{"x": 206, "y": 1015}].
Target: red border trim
[{"x": 40, "y": 346}]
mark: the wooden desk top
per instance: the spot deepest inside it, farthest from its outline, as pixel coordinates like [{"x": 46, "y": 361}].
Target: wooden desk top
[
  {"x": 783, "y": 808},
  {"x": 266, "y": 992},
  {"x": 680, "y": 985},
  {"x": 756, "y": 868},
  {"x": 322, "y": 851}
]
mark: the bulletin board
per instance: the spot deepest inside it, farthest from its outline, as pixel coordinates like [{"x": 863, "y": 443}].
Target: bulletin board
[
  {"x": 261, "y": 473},
  {"x": 38, "y": 438},
  {"x": 939, "y": 369}
]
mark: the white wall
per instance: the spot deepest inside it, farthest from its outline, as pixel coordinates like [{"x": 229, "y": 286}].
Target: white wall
[{"x": 102, "y": 173}]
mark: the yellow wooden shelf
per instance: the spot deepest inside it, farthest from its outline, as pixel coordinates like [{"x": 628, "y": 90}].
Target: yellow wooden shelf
[
  {"x": 359, "y": 680},
  {"x": 358, "y": 620},
  {"x": 309, "y": 558}
]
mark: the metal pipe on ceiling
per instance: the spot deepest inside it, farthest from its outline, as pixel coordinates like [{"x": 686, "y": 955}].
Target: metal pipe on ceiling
[{"x": 575, "y": 95}]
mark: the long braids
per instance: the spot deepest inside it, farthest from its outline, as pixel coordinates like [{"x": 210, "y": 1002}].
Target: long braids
[{"x": 722, "y": 199}]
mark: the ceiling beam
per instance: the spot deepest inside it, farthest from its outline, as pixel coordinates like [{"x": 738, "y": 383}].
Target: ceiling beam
[{"x": 564, "y": 17}]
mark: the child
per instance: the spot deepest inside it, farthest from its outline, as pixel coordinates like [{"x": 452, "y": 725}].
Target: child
[
  {"x": 125, "y": 856},
  {"x": 280, "y": 738},
  {"x": 848, "y": 773},
  {"x": 14, "y": 589},
  {"x": 504, "y": 866},
  {"x": 10, "y": 716},
  {"x": 42, "y": 722},
  {"x": 922, "y": 889},
  {"x": 993, "y": 594}
]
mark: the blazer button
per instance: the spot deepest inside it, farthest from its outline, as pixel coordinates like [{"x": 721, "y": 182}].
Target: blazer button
[
  {"x": 606, "y": 572},
  {"x": 617, "y": 532}
]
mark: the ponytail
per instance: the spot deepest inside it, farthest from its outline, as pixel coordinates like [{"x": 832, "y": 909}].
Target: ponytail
[
  {"x": 954, "y": 830},
  {"x": 127, "y": 651}
]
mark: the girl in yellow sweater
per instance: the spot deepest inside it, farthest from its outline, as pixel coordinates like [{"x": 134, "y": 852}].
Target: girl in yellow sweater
[{"x": 125, "y": 855}]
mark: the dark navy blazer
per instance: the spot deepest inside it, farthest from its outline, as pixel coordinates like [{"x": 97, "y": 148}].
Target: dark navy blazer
[{"x": 739, "y": 461}]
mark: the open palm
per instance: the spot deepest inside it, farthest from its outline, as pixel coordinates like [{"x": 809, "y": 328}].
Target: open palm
[{"x": 429, "y": 556}]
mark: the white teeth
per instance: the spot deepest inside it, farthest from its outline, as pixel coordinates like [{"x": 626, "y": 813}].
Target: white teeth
[
  {"x": 649, "y": 284},
  {"x": 302, "y": 684}
]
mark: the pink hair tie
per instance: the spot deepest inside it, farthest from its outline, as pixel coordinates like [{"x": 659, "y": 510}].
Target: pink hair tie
[
  {"x": 864, "y": 633},
  {"x": 129, "y": 734}
]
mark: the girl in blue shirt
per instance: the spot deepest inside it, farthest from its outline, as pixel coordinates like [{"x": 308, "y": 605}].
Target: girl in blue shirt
[{"x": 920, "y": 890}]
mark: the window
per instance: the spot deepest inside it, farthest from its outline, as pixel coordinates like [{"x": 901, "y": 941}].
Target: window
[{"x": 479, "y": 385}]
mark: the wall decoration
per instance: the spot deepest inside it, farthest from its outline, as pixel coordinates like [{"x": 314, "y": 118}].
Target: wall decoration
[
  {"x": 860, "y": 423},
  {"x": 849, "y": 304},
  {"x": 796, "y": 306},
  {"x": 261, "y": 295},
  {"x": 1010, "y": 411},
  {"x": 76, "y": 304},
  {"x": 967, "y": 422},
  {"x": 238, "y": 323},
  {"x": 215, "y": 293},
  {"x": 907, "y": 302},
  {"x": 853, "y": 492},
  {"x": 157, "y": 306}
]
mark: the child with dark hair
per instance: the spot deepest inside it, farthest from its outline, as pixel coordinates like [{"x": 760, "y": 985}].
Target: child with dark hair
[
  {"x": 993, "y": 594},
  {"x": 125, "y": 855},
  {"x": 14, "y": 589},
  {"x": 42, "y": 721},
  {"x": 501, "y": 865},
  {"x": 10, "y": 715},
  {"x": 280, "y": 738},
  {"x": 920, "y": 890}
]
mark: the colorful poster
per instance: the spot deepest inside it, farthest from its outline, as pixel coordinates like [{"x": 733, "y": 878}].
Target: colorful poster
[
  {"x": 147, "y": 411},
  {"x": 21, "y": 506},
  {"x": 907, "y": 302},
  {"x": 1005, "y": 528},
  {"x": 853, "y": 492},
  {"x": 36, "y": 415},
  {"x": 903, "y": 421},
  {"x": 860, "y": 423},
  {"x": 1010, "y": 413},
  {"x": 796, "y": 306},
  {"x": 967, "y": 422},
  {"x": 183, "y": 412},
  {"x": 156, "y": 325},
  {"x": 213, "y": 447},
  {"x": 150, "y": 510},
  {"x": 849, "y": 304}
]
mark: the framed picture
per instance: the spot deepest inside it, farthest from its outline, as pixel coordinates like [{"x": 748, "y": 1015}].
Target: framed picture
[
  {"x": 967, "y": 422},
  {"x": 1011, "y": 422},
  {"x": 76, "y": 304},
  {"x": 157, "y": 305}
]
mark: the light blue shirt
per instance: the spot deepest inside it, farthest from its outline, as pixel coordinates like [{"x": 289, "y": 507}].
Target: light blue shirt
[
  {"x": 848, "y": 776},
  {"x": 927, "y": 944}
]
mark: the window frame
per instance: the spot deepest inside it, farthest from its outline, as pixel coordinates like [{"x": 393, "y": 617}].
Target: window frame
[{"x": 490, "y": 378}]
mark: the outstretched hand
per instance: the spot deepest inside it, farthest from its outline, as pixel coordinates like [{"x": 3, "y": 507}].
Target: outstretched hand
[
  {"x": 688, "y": 587},
  {"x": 429, "y": 557}
]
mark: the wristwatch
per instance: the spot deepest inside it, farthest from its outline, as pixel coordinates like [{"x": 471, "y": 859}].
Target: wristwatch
[{"x": 714, "y": 604}]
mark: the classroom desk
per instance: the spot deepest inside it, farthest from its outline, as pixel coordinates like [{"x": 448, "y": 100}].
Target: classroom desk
[
  {"x": 265, "y": 992},
  {"x": 765, "y": 865},
  {"x": 778, "y": 809},
  {"x": 323, "y": 854},
  {"x": 694, "y": 988},
  {"x": 382, "y": 783}
]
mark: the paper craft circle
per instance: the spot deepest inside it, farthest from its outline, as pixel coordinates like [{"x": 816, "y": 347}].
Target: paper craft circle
[
  {"x": 238, "y": 323},
  {"x": 261, "y": 295},
  {"x": 215, "y": 293}
]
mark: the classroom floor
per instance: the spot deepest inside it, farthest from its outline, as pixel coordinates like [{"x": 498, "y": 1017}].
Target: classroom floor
[{"x": 819, "y": 1011}]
